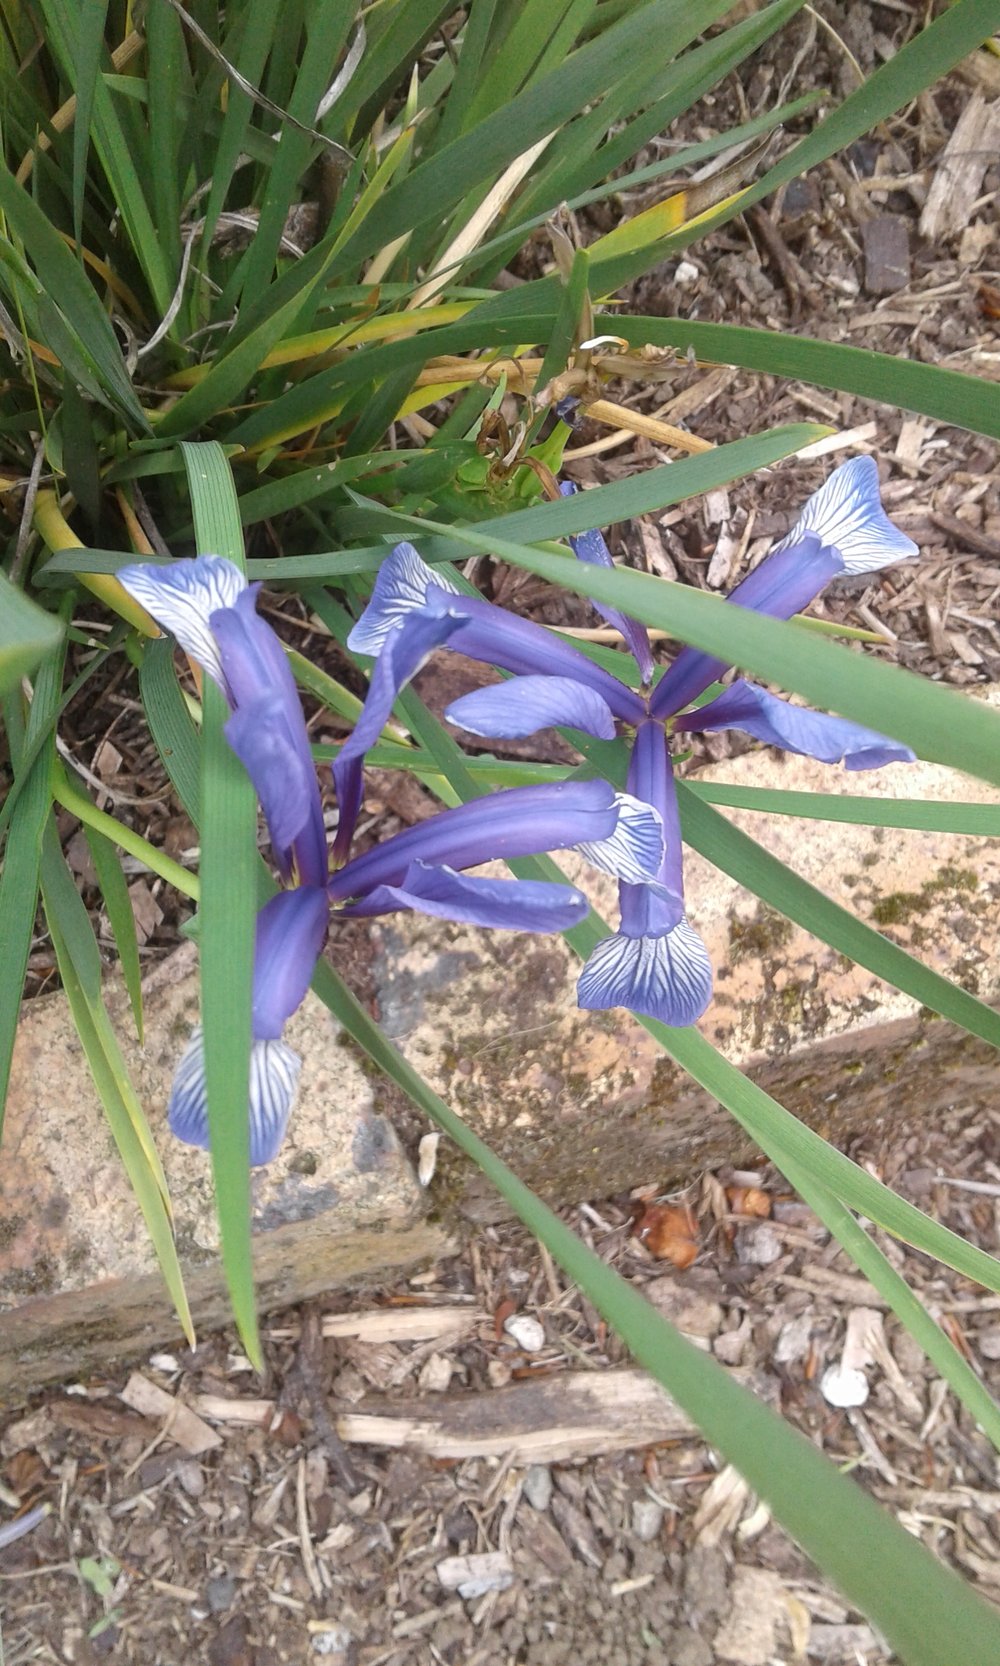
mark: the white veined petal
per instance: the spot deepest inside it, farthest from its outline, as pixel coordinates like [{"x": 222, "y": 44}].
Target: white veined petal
[
  {"x": 847, "y": 515},
  {"x": 400, "y": 588},
  {"x": 187, "y": 1111},
  {"x": 274, "y": 1074},
  {"x": 668, "y": 977},
  {"x": 182, "y": 598},
  {"x": 634, "y": 851}
]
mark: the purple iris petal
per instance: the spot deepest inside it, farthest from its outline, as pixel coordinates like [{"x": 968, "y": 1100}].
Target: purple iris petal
[
  {"x": 291, "y": 928},
  {"x": 666, "y": 975},
  {"x": 274, "y": 1074},
  {"x": 500, "y": 638},
  {"x": 182, "y": 597},
  {"x": 510, "y": 904},
  {"x": 796, "y": 728},
  {"x": 290, "y": 932},
  {"x": 784, "y": 583},
  {"x": 406, "y": 647},
  {"x": 268, "y": 733},
  {"x": 651, "y": 780},
  {"x": 590, "y": 547},
  {"x": 285, "y": 782},
  {"x": 846, "y": 514},
  {"x": 400, "y": 589},
  {"x": 510, "y": 710},
  {"x": 519, "y": 822},
  {"x": 842, "y": 529}
]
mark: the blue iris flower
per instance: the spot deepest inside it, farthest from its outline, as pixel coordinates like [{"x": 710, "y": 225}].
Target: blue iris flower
[
  {"x": 208, "y": 606},
  {"x": 655, "y": 963}
]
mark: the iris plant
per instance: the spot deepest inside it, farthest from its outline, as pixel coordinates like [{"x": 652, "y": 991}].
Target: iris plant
[
  {"x": 208, "y": 606},
  {"x": 655, "y": 963}
]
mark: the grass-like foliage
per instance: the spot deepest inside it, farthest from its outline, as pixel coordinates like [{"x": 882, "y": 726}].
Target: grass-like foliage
[{"x": 249, "y": 304}]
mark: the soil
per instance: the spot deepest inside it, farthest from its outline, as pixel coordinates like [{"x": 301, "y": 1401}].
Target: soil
[
  {"x": 264, "y": 1551},
  {"x": 267, "y": 1550}
]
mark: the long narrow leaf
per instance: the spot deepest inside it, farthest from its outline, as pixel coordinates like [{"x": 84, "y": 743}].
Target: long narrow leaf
[{"x": 228, "y": 912}]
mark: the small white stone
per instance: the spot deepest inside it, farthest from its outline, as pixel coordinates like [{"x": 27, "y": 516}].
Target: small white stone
[
  {"x": 647, "y": 1519},
  {"x": 844, "y": 1386},
  {"x": 337, "y": 1640},
  {"x": 538, "y": 1486},
  {"x": 527, "y": 1332},
  {"x": 427, "y": 1152},
  {"x": 473, "y": 1576},
  {"x": 435, "y": 1374},
  {"x": 686, "y": 273}
]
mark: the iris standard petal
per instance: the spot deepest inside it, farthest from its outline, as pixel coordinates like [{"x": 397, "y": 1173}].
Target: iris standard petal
[
  {"x": 847, "y": 515},
  {"x": 274, "y": 1074},
  {"x": 291, "y": 928},
  {"x": 400, "y": 588},
  {"x": 285, "y": 782},
  {"x": 767, "y": 717},
  {"x": 521, "y": 821},
  {"x": 509, "y": 904},
  {"x": 651, "y": 780},
  {"x": 508, "y": 711},
  {"x": 182, "y": 596},
  {"x": 591, "y": 547},
  {"x": 500, "y": 638},
  {"x": 252, "y": 654},
  {"x": 405, "y": 649},
  {"x": 667, "y": 976}
]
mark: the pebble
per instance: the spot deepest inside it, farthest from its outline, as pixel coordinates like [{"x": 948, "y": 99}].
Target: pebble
[
  {"x": 473, "y": 1576},
  {"x": 526, "y": 1331},
  {"x": 219, "y": 1593},
  {"x": 844, "y": 1385},
  {"x": 189, "y": 1474},
  {"x": 336, "y": 1640},
  {"x": 647, "y": 1519},
  {"x": 538, "y": 1486}
]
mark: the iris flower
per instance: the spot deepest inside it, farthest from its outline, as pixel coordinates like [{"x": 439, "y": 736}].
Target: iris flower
[
  {"x": 208, "y": 606},
  {"x": 655, "y": 963}
]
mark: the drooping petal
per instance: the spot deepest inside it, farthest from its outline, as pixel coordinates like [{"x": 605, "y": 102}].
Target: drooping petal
[
  {"x": 291, "y": 928},
  {"x": 784, "y": 583},
  {"x": 509, "y": 904},
  {"x": 508, "y": 711},
  {"x": 268, "y": 733},
  {"x": 634, "y": 851},
  {"x": 405, "y": 649},
  {"x": 274, "y": 1074},
  {"x": 521, "y": 821},
  {"x": 832, "y": 740},
  {"x": 666, "y": 976},
  {"x": 591, "y": 547},
  {"x": 182, "y": 596},
  {"x": 400, "y": 588},
  {"x": 846, "y": 514},
  {"x": 285, "y": 783},
  {"x": 842, "y": 529}
]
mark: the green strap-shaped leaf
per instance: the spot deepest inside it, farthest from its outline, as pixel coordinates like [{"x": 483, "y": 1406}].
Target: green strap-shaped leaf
[
  {"x": 228, "y": 830},
  {"x": 27, "y": 634}
]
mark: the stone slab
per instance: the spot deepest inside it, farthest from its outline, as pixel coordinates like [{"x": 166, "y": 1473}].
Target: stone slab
[
  {"x": 587, "y": 1104},
  {"x": 78, "y": 1279},
  {"x": 581, "y": 1104}
]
